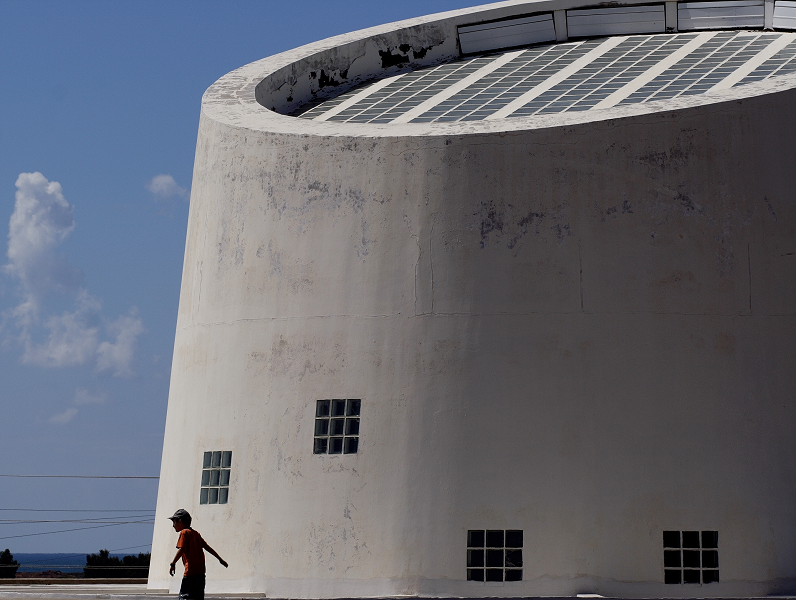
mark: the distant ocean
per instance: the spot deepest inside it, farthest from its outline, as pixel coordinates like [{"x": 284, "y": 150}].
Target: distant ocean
[{"x": 66, "y": 563}]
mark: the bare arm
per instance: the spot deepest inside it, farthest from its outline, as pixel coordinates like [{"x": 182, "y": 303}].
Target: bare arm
[
  {"x": 174, "y": 562},
  {"x": 214, "y": 553}
]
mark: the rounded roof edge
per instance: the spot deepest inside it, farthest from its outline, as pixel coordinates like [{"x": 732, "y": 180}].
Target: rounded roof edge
[{"x": 250, "y": 96}]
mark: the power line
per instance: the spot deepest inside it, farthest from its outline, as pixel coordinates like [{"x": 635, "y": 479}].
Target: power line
[
  {"x": 8, "y": 537},
  {"x": 81, "y": 476},
  {"x": 83, "y": 510},
  {"x": 97, "y": 520}
]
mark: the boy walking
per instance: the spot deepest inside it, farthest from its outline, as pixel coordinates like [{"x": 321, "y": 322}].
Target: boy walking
[{"x": 190, "y": 548}]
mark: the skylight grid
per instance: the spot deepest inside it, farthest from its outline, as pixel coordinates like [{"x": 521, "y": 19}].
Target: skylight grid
[
  {"x": 511, "y": 81},
  {"x": 505, "y": 77},
  {"x": 703, "y": 69},
  {"x": 610, "y": 72},
  {"x": 324, "y": 106},
  {"x": 571, "y": 76},
  {"x": 408, "y": 91},
  {"x": 401, "y": 93},
  {"x": 781, "y": 64}
]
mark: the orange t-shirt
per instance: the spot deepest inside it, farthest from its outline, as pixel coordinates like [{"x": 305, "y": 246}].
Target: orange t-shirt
[{"x": 193, "y": 554}]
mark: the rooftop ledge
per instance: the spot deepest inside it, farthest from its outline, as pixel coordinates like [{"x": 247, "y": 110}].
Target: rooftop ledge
[{"x": 263, "y": 95}]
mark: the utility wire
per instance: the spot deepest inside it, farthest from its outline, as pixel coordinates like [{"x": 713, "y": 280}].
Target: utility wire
[
  {"x": 86, "y": 510},
  {"x": 8, "y": 537},
  {"x": 102, "y": 520},
  {"x": 81, "y": 476}
]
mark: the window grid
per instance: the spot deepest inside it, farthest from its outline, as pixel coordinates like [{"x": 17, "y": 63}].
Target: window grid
[
  {"x": 494, "y": 555},
  {"x": 783, "y": 63},
  {"x": 337, "y": 426},
  {"x": 604, "y": 75},
  {"x": 710, "y": 63},
  {"x": 690, "y": 557},
  {"x": 216, "y": 467},
  {"x": 517, "y": 77},
  {"x": 407, "y": 92},
  {"x": 702, "y": 69}
]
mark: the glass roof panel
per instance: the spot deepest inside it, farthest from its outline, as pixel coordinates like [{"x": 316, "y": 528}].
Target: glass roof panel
[{"x": 571, "y": 76}]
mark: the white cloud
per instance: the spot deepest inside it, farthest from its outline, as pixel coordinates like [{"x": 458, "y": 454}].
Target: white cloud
[
  {"x": 81, "y": 334},
  {"x": 84, "y": 397},
  {"x": 64, "y": 417},
  {"x": 72, "y": 337},
  {"x": 41, "y": 221},
  {"x": 117, "y": 356},
  {"x": 165, "y": 187}
]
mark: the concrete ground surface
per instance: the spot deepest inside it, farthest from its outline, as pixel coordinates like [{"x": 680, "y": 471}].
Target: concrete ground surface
[{"x": 140, "y": 592}]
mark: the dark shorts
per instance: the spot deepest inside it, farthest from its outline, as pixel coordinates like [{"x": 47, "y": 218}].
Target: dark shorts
[{"x": 193, "y": 587}]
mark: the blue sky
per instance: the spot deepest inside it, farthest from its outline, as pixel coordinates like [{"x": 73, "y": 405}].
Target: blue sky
[{"x": 100, "y": 104}]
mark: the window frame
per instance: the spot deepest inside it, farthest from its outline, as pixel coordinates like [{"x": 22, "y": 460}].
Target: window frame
[
  {"x": 495, "y": 552},
  {"x": 690, "y": 557},
  {"x": 337, "y": 426},
  {"x": 214, "y": 484}
]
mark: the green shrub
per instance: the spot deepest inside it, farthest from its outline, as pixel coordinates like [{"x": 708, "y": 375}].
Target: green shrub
[
  {"x": 103, "y": 564},
  {"x": 8, "y": 566}
]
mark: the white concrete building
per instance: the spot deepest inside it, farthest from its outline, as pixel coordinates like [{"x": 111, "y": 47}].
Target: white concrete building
[{"x": 496, "y": 302}]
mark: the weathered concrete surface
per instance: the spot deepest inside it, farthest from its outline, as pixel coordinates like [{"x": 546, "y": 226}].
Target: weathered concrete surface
[{"x": 582, "y": 327}]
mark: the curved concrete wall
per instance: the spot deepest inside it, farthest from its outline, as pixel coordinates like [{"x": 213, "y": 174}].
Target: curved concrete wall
[{"x": 577, "y": 326}]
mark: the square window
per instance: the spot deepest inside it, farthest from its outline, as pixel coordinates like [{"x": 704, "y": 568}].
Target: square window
[
  {"x": 690, "y": 557},
  {"x": 710, "y": 539},
  {"x": 691, "y": 576},
  {"x": 475, "y": 574},
  {"x": 475, "y": 558},
  {"x": 498, "y": 551},
  {"x": 214, "y": 487},
  {"x": 350, "y": 445},
  {"x": 672, "y": 576},
  {"x": 513, "y": 575},
  {"x": 690, "y": 539},
  {"x": 335, "y": 445},
  {"x": 671, "y": 558},
  {"x": 321, "y": 426},
  {"x": 710, "y": 576},
  {"x": 322, "y": 408},
  {"x": 514, "y": 538},
  {"x": 475, "y": 538},
  {"x": 352, "y": 426},
  {"x": 494, "y": 558},
  {"x": 513, "y": 558},
  {"x": 494, "y": 539},
  {"x": 336, "y": 426},
  {"x": 710, "y": 559},
  {"x": 215, "y": 476}
]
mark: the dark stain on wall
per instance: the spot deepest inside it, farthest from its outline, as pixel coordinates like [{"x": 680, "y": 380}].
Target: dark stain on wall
[
  {"x": 402, "y": 55},
  {"x": 391, "y": 59},
  {"x": 491, "y": 220}
]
